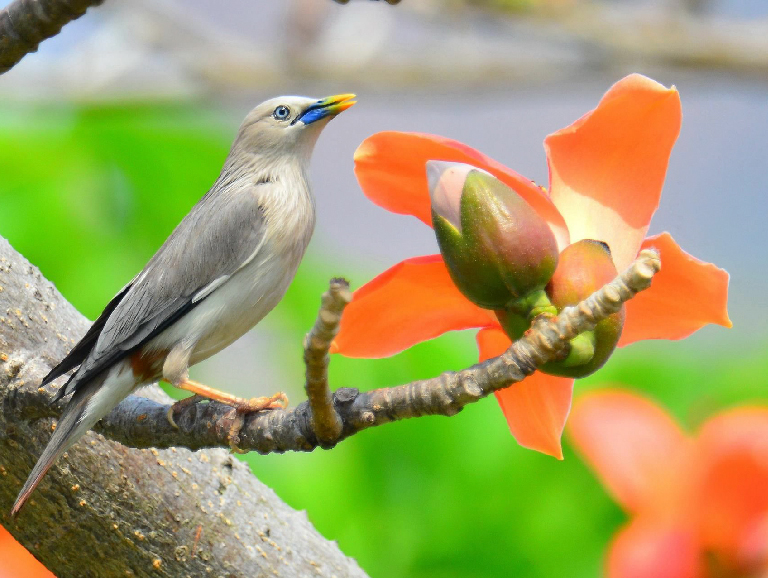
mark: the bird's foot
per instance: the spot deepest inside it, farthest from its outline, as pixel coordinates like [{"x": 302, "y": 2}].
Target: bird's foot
[
  {"x": 277, "y": 401},
  {"x": 179, "y": 406},
  {"x": 233, "y": 437}
]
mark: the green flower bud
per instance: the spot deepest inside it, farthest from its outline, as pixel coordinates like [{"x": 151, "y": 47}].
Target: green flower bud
[
  {"x": 584, "y": 267},
  {"x": 497, "y": 248}
]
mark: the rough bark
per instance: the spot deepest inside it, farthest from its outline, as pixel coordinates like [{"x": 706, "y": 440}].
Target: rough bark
[{"x": 109, "y": 510}]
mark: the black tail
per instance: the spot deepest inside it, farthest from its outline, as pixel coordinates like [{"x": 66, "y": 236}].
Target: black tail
[{"x": 85, "y": 345}]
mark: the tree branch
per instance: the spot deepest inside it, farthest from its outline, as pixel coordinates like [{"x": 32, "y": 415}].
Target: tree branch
[
  {"x": 327, "y": 418},
  {"x": 24, "y": 24}
]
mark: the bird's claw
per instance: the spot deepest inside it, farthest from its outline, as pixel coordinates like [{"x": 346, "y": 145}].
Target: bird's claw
[
  {"x": 277, "y": 401},
  {"x": 233, "y": 437},
  {"x": 180, "y": 405}
]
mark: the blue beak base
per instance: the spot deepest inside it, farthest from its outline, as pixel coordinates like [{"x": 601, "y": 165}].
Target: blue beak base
[{"x": 330, "y": 106}]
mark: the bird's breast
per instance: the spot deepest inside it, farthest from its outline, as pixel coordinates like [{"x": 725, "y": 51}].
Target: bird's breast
[{"x": 254, "y": 290}]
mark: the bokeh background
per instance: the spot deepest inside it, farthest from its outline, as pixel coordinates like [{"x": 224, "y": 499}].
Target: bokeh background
[{"x": 121, "y": 123}]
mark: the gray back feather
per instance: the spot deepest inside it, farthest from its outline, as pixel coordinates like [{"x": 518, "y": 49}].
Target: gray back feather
[{"x": 219, "y": 235}]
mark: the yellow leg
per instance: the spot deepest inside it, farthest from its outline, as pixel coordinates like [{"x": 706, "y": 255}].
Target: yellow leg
[
  {"x": 277, "y": 401},
  {"x": 241, "y": 405}
]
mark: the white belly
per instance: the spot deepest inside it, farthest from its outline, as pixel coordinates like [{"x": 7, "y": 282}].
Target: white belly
[{"x": 233, "y": 308}]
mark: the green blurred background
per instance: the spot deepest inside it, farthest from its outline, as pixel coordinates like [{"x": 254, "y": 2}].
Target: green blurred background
[{"x": 91, "y": 186}]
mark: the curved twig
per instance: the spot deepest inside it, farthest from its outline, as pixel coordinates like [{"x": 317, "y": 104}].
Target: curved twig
[{"x": 326, "y": 421}]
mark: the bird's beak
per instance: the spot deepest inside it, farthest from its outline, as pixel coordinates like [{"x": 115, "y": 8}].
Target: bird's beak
[{"x": 330, "y": 106}]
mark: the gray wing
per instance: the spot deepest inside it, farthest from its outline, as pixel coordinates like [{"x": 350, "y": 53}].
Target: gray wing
[{"x": 219, "y": 236}]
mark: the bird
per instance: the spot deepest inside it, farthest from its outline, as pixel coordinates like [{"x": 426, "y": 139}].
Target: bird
[{"x": 222, "y": 269}]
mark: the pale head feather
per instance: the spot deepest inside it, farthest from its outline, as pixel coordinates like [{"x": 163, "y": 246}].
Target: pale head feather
[{"x": 264, "y": 135}]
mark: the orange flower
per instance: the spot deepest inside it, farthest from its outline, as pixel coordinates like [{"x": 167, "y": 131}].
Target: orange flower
[
  {"x": 606, "y": 174},
  {"x": 699, "y": 505},
  {"x": 16, "y": 561}
]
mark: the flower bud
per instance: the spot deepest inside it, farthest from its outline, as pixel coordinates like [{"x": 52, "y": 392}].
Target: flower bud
[
  {"x": 583, "y": 268},
  {"x": 497, "y": 248}
]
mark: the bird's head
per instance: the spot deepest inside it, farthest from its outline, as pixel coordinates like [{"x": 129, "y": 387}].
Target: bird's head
[{"x": 289, "y": 124}]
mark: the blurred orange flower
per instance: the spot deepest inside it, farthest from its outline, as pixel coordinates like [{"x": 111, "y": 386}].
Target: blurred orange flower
[
  {"x": 17, "y": 561},
  {"x": 699, "y": 505},
  {"x": 606, "y": 172}
]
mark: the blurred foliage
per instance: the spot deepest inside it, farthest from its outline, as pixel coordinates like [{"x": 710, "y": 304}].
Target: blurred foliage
[
  {"x": 88, "y": 193},
  {"x": 523, "y": 6}
]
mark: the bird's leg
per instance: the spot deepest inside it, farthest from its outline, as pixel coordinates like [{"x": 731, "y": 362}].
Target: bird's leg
[
  {"x": 242, "y": 405},
  {"x": 180, "y": 405},
  {"x": 176, "y": 372}
]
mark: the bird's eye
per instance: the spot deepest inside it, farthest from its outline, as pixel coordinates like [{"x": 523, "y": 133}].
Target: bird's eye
[{"x": 282, "y": 112}]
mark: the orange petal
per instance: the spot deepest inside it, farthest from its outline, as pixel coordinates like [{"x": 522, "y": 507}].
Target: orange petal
[
  {"x": 647, "y": 548},
  {"x": 413, "y": 301},
  {"x": 17, "y": 561},
  {"x": 635, "y": 448},
  {"x": 607, "y": 169},
  {"x": 537, "y": 407},
  {"x": 684, "y": 296},
  {"x": 733, "y": 472},
  {"x": 391, "y": 169},
  {"x": 492, "y": 342}
]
